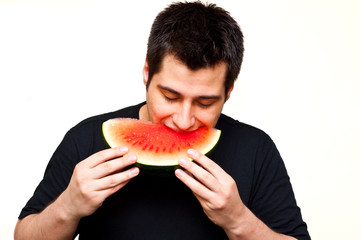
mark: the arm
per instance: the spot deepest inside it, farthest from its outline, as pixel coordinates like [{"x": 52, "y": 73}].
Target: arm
[
  {"x": 53, "y": 222},
  {"x": 93, "y": 180},
  {"x": 218, "y": 195}
]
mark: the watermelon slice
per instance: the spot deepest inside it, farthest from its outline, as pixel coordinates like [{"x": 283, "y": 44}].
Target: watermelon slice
[{"x": 156, "y": 144}]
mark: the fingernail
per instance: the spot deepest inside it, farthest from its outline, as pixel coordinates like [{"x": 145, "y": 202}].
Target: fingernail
[
  {"x": 191, "y": 152},
  {"x": 132, "y": 158},
  {"x": 134, "y": 171},
  {"x": 178, "y": 173},
  {"x": 183, "y": 162},
  {"x": 123, "y": 149}
]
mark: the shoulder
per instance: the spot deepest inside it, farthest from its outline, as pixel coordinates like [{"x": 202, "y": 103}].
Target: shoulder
[
  {"x": 86, "y": 137},
  {"x": 128, "y": 112},
  {"x": 88, "y": 133},
  {"x": 241, "y": 131},
  {"x": 96, "y": 121},
  {"x": 245, "y": 144}
]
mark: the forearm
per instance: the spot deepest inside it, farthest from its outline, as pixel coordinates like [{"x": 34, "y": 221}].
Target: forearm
[
  {"x": 54, "y": 222},
  {"x": 94, "y": 179},
  {"x": 249, "y": 227}
]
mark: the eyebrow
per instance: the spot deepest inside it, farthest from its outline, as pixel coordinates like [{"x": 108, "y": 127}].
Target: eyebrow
[{"x": 216, "y": 97}]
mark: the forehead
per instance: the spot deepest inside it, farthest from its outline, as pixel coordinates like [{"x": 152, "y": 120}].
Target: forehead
[{"x": 173, "y": 71}]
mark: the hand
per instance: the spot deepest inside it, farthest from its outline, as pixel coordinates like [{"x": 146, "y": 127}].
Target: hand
[
  {"x": 214, "y": 188},
  {"x": 96, "y": 178}
]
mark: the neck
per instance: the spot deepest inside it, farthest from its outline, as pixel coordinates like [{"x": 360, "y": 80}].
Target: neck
[{"x": 143, "y": 113}]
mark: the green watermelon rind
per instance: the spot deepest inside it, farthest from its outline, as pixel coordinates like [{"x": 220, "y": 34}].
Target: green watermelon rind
[{"x": 168, "y": 165}]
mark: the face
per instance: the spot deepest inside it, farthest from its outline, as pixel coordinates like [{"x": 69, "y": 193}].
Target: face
[{"x": 182, "y": 99}]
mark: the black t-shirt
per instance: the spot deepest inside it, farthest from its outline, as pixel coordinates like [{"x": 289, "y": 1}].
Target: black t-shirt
[{"x": 160, "y": 206}]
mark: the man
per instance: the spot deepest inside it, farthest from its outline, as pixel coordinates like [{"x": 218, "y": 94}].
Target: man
[{"x": 239, "y": 191}]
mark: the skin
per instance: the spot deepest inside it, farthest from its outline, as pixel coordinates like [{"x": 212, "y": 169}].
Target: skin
[
  {"x": 183, "y": 100},
  {"x": 93, "y": 180}
]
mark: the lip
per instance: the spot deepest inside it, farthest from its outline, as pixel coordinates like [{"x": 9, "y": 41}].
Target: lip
[{"x": 176, "y": 129}]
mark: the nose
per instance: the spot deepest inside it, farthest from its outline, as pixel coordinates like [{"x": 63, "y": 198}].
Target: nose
[{"x": 184, "y": 118}]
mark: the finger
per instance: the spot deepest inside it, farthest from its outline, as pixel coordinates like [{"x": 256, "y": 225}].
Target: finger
[
  {"x": 108, "y": 192},
  {"x": 101, "y": 195},
  {"x": 203, "y": 176},
  {"x": 205, "y": 162},
  {"x": 112, "y": 166},
  {"x": 105, "y": 155},
  {"x": 117, "y": 180},
  {"x": 195, "y": 186}
]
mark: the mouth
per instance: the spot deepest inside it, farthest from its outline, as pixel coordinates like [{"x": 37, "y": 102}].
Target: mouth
[{"x": 173, "y": 127}]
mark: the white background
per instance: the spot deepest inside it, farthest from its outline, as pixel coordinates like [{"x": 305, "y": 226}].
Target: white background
[{"x": 63, "y": 61}]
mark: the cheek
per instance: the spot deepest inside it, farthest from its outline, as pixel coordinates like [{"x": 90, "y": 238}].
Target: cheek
[
  {"x": 156, "y": 109},
  {"x": 209, "y": 118},
  {"x": 160, "y": 112}
]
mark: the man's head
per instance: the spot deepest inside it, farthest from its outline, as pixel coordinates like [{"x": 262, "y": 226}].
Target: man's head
[
  {"x": 194, "y": 55},
  {"x": 198, "y": 35}
]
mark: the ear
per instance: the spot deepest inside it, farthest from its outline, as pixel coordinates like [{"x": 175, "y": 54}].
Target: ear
[
  {"x": 145, "y": 72},
  {"x": 229, "y": 92}
]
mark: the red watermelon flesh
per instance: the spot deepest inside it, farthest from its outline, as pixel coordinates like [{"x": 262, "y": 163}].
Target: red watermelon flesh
[{"x": 156, "y": 144}]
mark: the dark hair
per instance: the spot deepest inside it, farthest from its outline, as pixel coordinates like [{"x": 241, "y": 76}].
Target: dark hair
[{"x": 199, "y": 35}]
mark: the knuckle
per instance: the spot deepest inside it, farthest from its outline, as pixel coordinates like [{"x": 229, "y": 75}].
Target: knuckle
[
  {"x": 227, "y": 195},
  {"x": 132, "y": 173},
  {"x": 227, "y": 191},
  {"x": 107, "y": 166},
  {"x": 102, "y": 154},
  {"x": 197, "y": 155},
  {"x": 94, "y": 200},
  {"x": 107, "y": 153},
  {"x": 129, "y": 175},
  {"x": 79, "y": 179},
  {"x": 197, "y": 189},
  {"x": 231, "y": 186},
  {"x": 202, "y": 157},
  {"x": 220, "y": 204},
  {"x": 206, "y": 176},
  {"x": 193, "y": 166},
  {"x": 126, "y": 161},
  {"x": 84, "y": 190},
  {"x": 79, "y": 167},
  {"x": 112, "y": 181},
  {"x": 189, "y": 167}
]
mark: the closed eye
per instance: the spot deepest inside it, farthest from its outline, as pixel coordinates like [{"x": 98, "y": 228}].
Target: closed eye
[
  {"x": 205, "y": 104},
  {"x": 170, "y": 96},
  {"x": 170, "y": 99},
  {"x": 208, "y": 101}
]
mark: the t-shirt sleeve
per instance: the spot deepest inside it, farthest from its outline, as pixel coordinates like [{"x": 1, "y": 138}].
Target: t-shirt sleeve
[
  {"x": 56, "y": 177},
  {"x": 80, "y": 142},
  {"x": 273, "y": 199}
]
